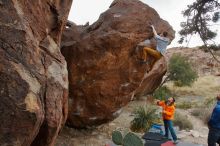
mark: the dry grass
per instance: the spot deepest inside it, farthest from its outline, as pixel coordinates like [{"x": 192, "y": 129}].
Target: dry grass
[
  {"x": 202, "y": 113},
  {"x": 182, "y": 122},
  {"x": 186, "y": 105},
  {"x": 206, "y": 86}
]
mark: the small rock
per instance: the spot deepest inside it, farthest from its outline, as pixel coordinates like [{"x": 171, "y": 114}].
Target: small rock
[
  {"x": 205, "y": 128},
  {"x": 195, "y": 134},
  {"x": 111, "y": 124},
  {"x": 204, "y": 135},
  {"x": 183, "y": 134},
  {"x": 94, "y": 133},
  {"x": 100, "y": 137}
]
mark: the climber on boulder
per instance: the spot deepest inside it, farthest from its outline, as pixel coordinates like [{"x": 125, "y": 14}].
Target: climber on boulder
[{"x": 162, "y": 43}]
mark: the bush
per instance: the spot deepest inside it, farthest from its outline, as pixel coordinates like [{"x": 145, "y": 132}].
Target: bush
[
  {"x": 182, "y": 122},
  {"x": 210, "y": 102},
  {"x": 162, "y": 93},
  {"x": 180, "y": 71},
  {"x": 144, "y": 117},
  {"x": 202, "y": 113},
  {"x": 211, "y": 47},
  {"x": 196, "y": 112}
]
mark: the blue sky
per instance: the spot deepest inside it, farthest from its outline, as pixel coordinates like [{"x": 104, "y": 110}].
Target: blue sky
[{"x": 83, "y": 11}]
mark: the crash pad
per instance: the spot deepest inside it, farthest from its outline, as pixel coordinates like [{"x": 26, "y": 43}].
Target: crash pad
[
  {"x": 155, "y": 143},
  {"x": 154, "y": 139},
  {"x": 168, "y": 143},
  {"x": 153, "y": 136}
]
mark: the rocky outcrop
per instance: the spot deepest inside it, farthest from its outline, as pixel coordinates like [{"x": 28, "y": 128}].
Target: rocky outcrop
[
  {"x": 104, "y": 68},
  {"x": 33, "y": 74}
]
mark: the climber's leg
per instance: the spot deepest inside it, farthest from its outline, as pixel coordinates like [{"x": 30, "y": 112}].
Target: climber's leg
[
  {"x": 157, "y": 55},
  {"x": 155, "y": 60},
  {"x": 145, "y": 54},
  {"x": 148, "y": 51}
]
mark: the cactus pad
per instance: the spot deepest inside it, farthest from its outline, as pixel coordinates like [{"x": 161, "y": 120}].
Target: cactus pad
[
  {"x": 117, "y": 137},
  {"x": 131, "y": 139}
]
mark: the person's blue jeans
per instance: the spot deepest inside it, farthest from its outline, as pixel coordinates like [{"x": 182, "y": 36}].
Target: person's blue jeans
[
  {"x": 213, "y": 137},
  {"x": 168, "y": 125}
]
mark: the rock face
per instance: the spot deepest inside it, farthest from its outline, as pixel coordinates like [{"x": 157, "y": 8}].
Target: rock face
[
  {"x": 104, "y": 70},
  {"x": 33, "y": 73}
]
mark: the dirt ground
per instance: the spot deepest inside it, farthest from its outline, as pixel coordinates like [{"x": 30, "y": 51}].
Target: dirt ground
[
  {"x": 101, "y": 136},
  {"x": 199, "y": 133}
]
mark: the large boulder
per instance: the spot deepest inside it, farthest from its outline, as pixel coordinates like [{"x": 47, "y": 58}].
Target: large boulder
[
  {"x": 33, "y": 72},
  {"x": 103, "y": 63}
]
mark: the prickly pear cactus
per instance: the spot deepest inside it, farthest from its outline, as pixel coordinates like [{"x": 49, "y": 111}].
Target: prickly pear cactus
[
  {"x": 117, "y": 137},
  {"x": 131, "y": 139}
]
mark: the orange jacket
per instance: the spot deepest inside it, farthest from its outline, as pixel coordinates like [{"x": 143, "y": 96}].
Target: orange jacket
[{"x": 168, "y": 111}]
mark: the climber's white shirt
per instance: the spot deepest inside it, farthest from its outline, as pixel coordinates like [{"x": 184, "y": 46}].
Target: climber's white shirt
[{"x": 162, "y": 43}]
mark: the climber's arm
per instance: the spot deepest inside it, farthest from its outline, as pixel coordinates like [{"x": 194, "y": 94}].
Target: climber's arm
[
  {"x": 160, "y": 103},
  {"x": 154, "y": 31}
]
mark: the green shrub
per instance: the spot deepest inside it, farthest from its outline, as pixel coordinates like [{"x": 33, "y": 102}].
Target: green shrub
[
  {"x": 182, "y": 122},
  {"x": 180, "y": 71},
  {"x": 162, "y": 92},
  {"x": 144, "y": 117}
]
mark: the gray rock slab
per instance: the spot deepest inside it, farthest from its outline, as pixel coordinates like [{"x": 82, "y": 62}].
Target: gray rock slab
[{"x": 188, "y": 144}]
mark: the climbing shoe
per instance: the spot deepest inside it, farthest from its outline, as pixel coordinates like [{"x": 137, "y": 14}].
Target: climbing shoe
[{"x": 176, "y": 141}]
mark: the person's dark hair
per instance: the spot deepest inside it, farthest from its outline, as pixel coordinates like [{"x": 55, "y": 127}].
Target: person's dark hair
[
  {"x": 174, "y": 99},
  {"x": 218, "y": 97},
  {"x": 165, "y": 34}
]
